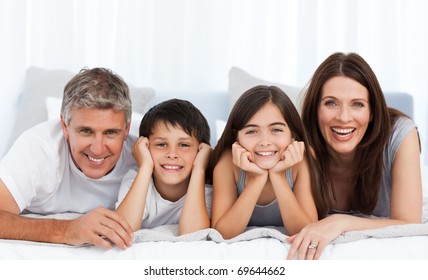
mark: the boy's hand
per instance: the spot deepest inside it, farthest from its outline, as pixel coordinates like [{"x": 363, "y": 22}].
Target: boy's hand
[
  {"x": 291, "y": 156},
  {"x": 202, "y": 158},
  {"x": 141, "y": 152},
  {"x": 243, "y": 159}
]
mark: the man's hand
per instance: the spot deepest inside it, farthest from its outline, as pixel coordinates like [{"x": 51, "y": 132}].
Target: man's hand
[{"x": 100, "y": 227}]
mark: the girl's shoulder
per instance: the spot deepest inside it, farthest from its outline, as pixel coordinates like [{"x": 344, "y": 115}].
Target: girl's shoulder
[{"x": 225, "y": 165}]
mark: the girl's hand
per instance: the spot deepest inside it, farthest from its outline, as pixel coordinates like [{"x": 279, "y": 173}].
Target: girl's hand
[
  {"x": 141, "y": 152},
  {"x": 202, "y": 158},
  {"x": 243, "y": 159},
  {"x": 291, "y": 156},
  {"x": 310, "y": 242}
]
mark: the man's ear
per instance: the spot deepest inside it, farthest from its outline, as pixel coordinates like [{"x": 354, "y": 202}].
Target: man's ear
[
  {"x": 128, "y": 128},
  {"x": 64, "y": 127}
]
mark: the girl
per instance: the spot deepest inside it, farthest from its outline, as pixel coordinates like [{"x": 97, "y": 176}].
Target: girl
[{"x": 261, "y": 172}]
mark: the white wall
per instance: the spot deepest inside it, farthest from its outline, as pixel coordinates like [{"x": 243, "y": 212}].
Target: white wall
[{"x": 191, "y": 44}]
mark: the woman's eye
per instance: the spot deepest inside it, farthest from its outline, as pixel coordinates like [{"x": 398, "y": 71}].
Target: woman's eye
[
  {"x": 358, "y": 104},
  {"x": 330, "y": 103}
]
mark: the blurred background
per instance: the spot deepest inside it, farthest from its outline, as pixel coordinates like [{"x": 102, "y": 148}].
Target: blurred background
[{"x": 190, "y": 45}]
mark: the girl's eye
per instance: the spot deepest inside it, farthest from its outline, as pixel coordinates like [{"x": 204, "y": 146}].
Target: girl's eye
[
  {"x": 277, "y": 130},
  {"x": 249, "y": 132}
]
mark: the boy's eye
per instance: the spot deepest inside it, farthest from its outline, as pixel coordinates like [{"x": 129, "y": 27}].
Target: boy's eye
[
  {"x": 161, "y": 145},
  {"x": 184, "y": 145}
]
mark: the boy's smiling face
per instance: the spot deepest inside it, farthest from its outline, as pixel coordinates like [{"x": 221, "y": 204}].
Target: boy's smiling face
[{"x": 173, "y": 152}]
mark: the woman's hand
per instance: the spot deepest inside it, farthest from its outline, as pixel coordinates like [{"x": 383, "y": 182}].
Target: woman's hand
[{"x": 310, "y": 242}]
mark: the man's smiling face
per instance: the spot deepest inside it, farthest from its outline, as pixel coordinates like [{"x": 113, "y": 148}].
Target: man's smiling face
[{"x": 95, "y": 138}]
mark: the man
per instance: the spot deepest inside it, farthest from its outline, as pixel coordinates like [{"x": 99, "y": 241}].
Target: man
[{"x": 73, "y": 165}]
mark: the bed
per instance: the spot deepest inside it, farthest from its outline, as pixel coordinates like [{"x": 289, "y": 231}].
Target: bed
[{"x": 39, "y": 102}]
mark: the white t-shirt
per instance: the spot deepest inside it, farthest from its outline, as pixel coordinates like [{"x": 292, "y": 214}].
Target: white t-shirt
[
  {"x": 42, "y": 178},
  {"x": 159, "y": 211}
]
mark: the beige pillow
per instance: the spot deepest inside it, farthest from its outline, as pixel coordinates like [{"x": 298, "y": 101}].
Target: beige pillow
[
  {"x": 42, "y": 83},
  {"x": 240, "y": 81}
]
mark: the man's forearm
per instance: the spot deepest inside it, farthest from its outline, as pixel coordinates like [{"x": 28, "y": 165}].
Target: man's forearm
[{"x": 16, "y": 227}]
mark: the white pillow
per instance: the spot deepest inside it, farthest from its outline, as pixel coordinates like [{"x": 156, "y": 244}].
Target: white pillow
[
  {"x": 240, "y": 81},
  {"x": 219, "y": 127},
  {"x": 53, "y": 106},
  {"x": 42, "y": 83}
]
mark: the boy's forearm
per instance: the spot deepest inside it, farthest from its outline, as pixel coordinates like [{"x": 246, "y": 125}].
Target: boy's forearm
[
  {"x": 16, "y": 227},
  {"x": 132, "y": 206},
  {"x": 194, "y": 215}
]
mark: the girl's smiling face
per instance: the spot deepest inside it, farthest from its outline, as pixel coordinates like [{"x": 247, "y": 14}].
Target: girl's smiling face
[{"x": 266, "y": 136}]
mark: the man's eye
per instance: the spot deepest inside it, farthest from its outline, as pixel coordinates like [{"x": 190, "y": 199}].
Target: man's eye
[{"x": 85, "y": 131}]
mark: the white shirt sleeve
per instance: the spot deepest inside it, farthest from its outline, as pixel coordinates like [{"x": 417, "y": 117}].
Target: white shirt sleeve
[{"x": 30, "y": 170}]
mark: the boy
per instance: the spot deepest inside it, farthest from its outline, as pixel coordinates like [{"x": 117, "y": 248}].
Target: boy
[{"x": 169, "y": 187}]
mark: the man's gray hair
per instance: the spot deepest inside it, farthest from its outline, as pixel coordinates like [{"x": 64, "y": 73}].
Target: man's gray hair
[{"x": 97, "y": 88}]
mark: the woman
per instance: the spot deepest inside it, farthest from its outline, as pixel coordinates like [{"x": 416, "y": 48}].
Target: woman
[{"x": 368, "y": 155}]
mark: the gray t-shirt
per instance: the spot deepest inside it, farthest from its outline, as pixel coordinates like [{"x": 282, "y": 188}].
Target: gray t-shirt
[
  {"x": 401, "y": 128},
  {"x": 265, "y": 215}
]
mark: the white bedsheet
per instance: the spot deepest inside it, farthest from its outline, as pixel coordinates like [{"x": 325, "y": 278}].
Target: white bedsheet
[
  {"x": 395, "y": 242},
  {"x": 406, "y": 242}
]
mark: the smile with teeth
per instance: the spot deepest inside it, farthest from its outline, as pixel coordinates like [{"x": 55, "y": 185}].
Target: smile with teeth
[
  {"x": 343, "y": 131},
  {"x": 96, "y": 160},
  {"x": 265, "y": 153},
  {"x": 172, "y": 167}
]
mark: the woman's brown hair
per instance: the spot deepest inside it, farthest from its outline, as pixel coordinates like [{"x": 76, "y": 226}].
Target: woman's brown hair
[{"x": 369, "y": 153}]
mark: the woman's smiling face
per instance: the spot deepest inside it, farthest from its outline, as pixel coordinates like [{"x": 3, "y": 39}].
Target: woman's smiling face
[{"x": 343, "y": 114}]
